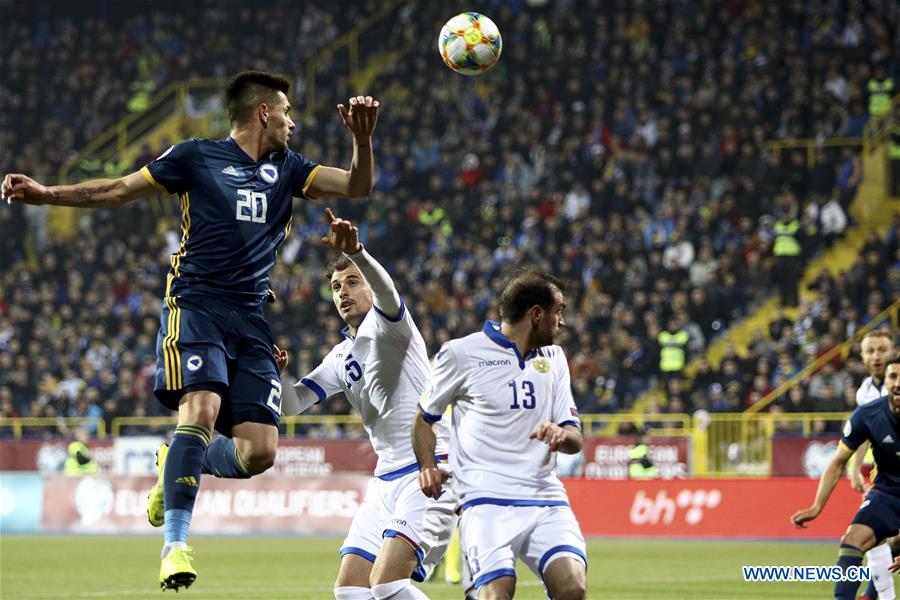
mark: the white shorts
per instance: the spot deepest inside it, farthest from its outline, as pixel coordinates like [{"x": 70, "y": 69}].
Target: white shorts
[
  {"x": 398, "y": 508},
  {"x": 493, "y": 537}
]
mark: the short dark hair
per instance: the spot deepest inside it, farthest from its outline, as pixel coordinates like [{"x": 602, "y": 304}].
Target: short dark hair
[
  {"x": 525, "y": 289},
  {"x": 893, "y": 361},
  {"x": 338, "y": 264},
  {"x": 248, "y": 89}
]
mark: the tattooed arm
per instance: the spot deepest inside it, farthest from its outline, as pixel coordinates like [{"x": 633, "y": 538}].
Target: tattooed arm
[{"x": 90, "y": 194}]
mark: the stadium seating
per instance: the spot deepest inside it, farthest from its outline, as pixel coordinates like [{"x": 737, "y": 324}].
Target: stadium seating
[{"x": 624, "y": 148}]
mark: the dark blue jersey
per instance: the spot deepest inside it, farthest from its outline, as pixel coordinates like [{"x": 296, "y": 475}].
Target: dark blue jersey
[
  {"x": 875, "y": 422},
  {"x": 235, "y": 212}
]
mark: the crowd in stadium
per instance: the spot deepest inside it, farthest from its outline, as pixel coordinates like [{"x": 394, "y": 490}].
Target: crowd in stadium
[{"x": 625, "y": 151}]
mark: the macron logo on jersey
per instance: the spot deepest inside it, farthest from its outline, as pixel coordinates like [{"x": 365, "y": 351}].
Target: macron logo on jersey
[{"x": 501, "y": 362}]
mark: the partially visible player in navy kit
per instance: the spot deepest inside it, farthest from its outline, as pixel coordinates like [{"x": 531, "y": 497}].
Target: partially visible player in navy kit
[
  {"x": 216, "y": 360},
  {"x": 879, "y": 516}
]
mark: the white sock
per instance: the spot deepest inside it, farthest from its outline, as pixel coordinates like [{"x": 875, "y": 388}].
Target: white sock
[
  {"x": 879, "y": 559},
  {"x": 352, "y": 593},
  {"x": 401, "y": 589},
  {"x": 171, "y": 546}
]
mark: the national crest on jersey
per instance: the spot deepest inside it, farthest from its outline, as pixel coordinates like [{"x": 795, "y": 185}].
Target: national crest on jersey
[
  {"x": 499, "y": 398},
  {"x": 236, "y": 212}
]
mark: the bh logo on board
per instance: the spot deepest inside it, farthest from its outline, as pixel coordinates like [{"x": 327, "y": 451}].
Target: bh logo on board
[{"x": 662, "y": 509}]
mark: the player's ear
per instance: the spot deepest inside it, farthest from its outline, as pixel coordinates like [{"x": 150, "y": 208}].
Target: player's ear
[{"x": 262, "y": 111}]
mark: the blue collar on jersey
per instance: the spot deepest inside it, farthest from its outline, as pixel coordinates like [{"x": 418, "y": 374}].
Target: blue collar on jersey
[
  {"x": 273, "y": 156},
  {"x": 345, "y": 331},
  {"x": 492, "y": 330}
]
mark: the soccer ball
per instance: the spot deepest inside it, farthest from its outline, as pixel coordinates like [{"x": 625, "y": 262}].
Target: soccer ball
[{"x": 470, "y": 43}]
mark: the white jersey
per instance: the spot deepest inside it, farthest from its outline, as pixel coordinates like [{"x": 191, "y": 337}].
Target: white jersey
[
  {"x": 869, "y": 392},
  {"x": 499, "y": 398},
  {"x": 382, "y": 372}
]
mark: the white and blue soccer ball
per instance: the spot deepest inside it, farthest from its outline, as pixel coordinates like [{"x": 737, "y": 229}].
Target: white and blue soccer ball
[{"x": 470, "y": 43}]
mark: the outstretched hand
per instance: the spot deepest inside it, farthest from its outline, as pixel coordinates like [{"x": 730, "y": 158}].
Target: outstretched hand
[
  {"x": 361, "y": 117},
  {"x": 21, "y": 188},
  {"x": 344, "y": 235}
]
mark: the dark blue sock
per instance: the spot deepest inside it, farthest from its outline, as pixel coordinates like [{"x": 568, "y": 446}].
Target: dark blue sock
[
  {"x": 849, "y": 556},
  {"x": 223, "y": 460},
  {"x": 871, "y": 592},
  {"x": 181, "y": 480}
]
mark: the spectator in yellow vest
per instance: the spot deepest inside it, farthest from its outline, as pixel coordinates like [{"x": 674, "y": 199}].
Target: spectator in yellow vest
[
  {"x": 672, "y": 350},
  {"x": 788, "y": 260},
  {"x": 640, "y": 461},
  {"x": 880, "y": 88},
  {"x": 78, "y": 460}
]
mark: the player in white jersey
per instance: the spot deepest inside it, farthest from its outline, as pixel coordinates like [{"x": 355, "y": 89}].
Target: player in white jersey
[
  {"x": 381, "y": 368},
  {"x": 512, "y": 411},
  {"x": 876, "y": 349}
]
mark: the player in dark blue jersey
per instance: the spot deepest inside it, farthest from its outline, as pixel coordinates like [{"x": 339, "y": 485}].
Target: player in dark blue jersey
[
  {"x": 216, "y": 362},
  {"x": 879, "y": 516}
]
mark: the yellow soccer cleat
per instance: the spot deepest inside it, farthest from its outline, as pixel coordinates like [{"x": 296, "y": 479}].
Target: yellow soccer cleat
[
  {"x": 176, "y": 571},
  {"x": 156, "y": 502}
]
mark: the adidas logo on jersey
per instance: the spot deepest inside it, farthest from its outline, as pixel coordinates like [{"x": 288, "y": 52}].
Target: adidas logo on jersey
[
  {"x": 229, "y": 170},
  {"x": 887, "y": 439},
  {"x": 188, "y": 480}
]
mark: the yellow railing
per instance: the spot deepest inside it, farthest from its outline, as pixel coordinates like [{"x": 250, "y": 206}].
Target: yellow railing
[
  {"x": 120, "y": 423},
  {"x": 672, "y": 424},
  {"x": 350, "y": 41},
  {"x": 62, "y": 426},
  {"x": 740, "y": 444},
  {"x": 810, "y": 145},
  {"x": 892, "y": 312},
  {"x": 723, "y": 444},
  {"x": 289, "y": 424}
]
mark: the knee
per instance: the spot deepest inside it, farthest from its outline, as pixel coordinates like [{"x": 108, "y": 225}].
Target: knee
[
  {"x": 490, "y": 592},
  {"x": 260, "y": 460},
  {"x": 200, "y": 407},
  {"x": 571, "y": 590},
  {"x": 858, "y": 539}
]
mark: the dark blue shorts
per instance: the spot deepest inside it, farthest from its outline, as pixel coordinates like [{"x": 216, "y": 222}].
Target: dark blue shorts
[
  {"x": 880, "y": 511},
  {"x": 207, "y": 345}
]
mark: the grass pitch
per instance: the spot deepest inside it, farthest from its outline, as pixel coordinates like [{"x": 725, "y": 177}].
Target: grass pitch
[{"x": 305, "y": 567}]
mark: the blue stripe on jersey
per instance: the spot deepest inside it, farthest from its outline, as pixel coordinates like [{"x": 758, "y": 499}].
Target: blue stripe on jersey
[
  {"x": 573, "y": 423},
  {"x": 492, "y": 575},
  {"x": 557, "y": 550},
  {"x": 314, "y": 387},
  {"x": 359, "y": 552},
  {"x": 389, "y": 317},
  {"x": 397, "y": 474},
  {"x": 429, "y": 418},
  {"x": 511, "y": 502}
]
